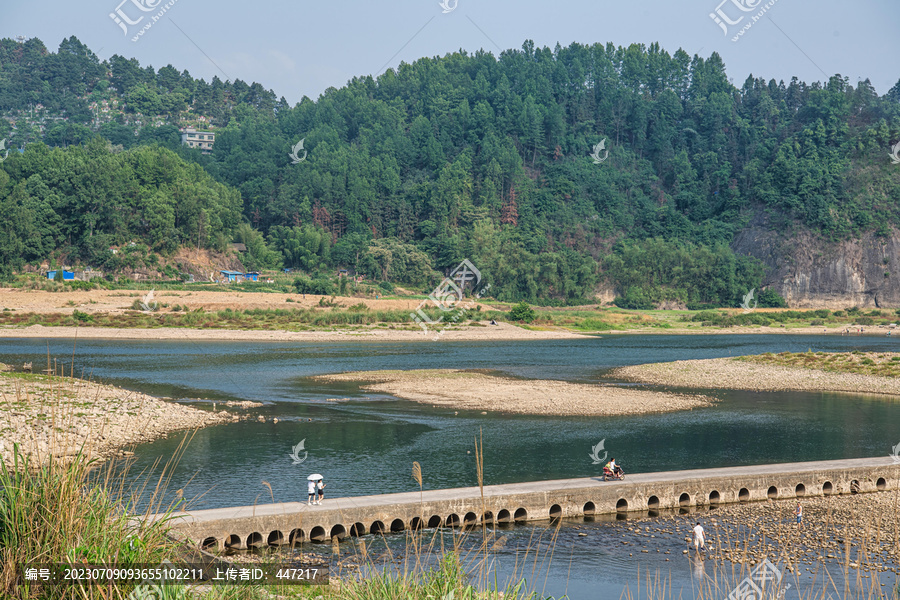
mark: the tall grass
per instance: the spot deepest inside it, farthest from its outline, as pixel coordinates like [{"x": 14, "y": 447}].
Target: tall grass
[
  {"x": 60, "y": 506},
  {"x": 73, "y": 510}
]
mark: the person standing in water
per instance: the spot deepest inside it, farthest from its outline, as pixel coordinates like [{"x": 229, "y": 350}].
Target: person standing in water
[
  {"x": 799, "y": 513},
  {"x": 699, "y": 541}
]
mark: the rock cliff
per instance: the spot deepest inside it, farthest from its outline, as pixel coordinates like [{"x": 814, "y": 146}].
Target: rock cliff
[{"x": 811, "y": 272}]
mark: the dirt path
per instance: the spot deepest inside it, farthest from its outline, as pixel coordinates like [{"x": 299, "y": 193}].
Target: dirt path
[{"x": 119, "y": 301}]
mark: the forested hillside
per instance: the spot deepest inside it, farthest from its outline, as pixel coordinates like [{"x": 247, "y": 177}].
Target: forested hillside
[{"x": 465, "y": 156}]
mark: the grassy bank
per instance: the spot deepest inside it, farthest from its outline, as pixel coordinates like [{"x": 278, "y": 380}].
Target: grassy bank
[
  {"x": 804, "y": 371},
  {"x": 602, "y": 319},
  {"x": 881, "y": 364},
  {"x": 285, "y": 319},
  {"x": 344, "y": 313}
]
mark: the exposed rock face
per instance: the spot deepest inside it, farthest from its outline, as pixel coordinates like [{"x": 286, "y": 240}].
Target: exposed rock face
[{"x": 810, "y": 272}]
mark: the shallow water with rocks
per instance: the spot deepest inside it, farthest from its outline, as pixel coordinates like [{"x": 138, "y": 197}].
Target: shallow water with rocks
[{"x": 846, "y": 548}]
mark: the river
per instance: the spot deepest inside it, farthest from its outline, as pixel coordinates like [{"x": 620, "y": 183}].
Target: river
[{"x": 366, "y": 443}]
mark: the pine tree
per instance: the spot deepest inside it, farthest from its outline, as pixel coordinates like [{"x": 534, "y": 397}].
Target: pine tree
[{"x": 510, "y": 212}]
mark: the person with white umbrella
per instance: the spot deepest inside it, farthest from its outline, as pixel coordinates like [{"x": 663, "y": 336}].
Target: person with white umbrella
[{"x": 312, "y": 488}]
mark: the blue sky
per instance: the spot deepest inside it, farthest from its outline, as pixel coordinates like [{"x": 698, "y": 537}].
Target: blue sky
[{"x": 299, "y": 47}]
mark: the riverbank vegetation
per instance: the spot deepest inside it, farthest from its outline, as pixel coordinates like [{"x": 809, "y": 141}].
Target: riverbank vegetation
[
  {"x": 283, "y": 319},
  {"x": 881, "y": 364},
  {"x": 802, "y": 372},
  {"x": 200, "y": 308}
]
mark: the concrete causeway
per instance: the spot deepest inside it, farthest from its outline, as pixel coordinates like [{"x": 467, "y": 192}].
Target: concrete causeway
[{"x": 294, "y": 522}]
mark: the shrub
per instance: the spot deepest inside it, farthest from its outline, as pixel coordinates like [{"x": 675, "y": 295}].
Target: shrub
[
  {"x": 817, "y": 322},
  {"x": 595, "y": 325},
  {"x": 771, "y": 299},
  {"x": 700, "y": 306},
  {"x": 708, "y": 316},
  {"x": 522, "y": 312},
  {"x": 319, "y": 285},
  {"x": 865, "y": 321},
  {"x": 634, "y": 299},
  {"x": 82, "y": 317}
]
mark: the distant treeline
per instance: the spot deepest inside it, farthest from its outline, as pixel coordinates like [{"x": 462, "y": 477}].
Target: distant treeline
[{"x": 472, "y": 156}]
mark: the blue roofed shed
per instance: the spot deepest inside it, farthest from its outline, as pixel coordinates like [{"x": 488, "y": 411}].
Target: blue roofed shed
[
  {"x": 67, "y": 275},
  {"x": 232, "y": 276}
]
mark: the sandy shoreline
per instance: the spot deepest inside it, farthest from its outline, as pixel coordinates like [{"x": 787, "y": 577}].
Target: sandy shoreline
[
  {"x": 737, "y": 374},
  {"x": 467, "y": 390},
  {"x": 59, "y": 415}
]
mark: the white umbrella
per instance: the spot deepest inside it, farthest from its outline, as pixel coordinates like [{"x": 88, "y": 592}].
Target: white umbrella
[{"x": 315, "y": 477}]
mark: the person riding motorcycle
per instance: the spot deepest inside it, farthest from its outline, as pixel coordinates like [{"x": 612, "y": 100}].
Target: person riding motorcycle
[{"x": 613, "y": 470}]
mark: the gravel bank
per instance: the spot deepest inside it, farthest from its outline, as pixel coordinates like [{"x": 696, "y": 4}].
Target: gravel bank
[
  {"x": 60, "y": 415},
  {"x": 857, "y": 533},
  {"x": 467, "y": 390},
  {"x": 737, "y": 374}
]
